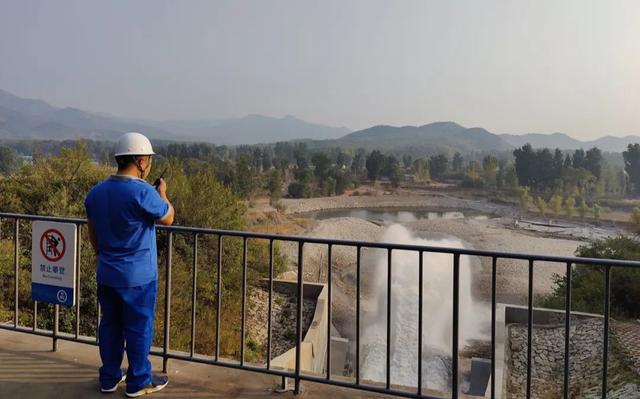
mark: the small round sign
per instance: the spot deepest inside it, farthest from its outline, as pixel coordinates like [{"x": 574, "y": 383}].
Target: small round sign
[
  {"x": 52, "y": 245},
  {"x": 62, "y": 296}
]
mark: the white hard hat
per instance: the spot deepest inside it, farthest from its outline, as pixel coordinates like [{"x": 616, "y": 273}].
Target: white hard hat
[{"x": 133, "y": 144}]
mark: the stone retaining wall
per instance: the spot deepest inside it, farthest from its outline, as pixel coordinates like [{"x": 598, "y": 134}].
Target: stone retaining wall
[{"x": 547, "y": 370}]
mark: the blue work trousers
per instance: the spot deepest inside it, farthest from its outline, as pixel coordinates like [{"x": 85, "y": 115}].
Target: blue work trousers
[{"x": 127, "y": 316}]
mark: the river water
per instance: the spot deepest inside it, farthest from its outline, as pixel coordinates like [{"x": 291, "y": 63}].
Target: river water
[{"x": 395, "y": 215}]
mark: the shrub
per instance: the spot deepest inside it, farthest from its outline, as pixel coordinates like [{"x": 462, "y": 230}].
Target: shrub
[
  {"x": 587, "y": 282},
  {"x": 299, "y": 190}
]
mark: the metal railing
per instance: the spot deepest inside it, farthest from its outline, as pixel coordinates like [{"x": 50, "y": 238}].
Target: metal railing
[{"x": 297, "y": 375}]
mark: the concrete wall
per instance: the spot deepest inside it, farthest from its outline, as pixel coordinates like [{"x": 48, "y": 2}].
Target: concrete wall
[{"x": 314, "y": 343}]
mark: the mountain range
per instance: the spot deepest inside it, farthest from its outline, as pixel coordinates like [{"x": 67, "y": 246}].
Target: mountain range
[
  {"x": 23, "y": 118},
  {"x": 433, "y": 138}
]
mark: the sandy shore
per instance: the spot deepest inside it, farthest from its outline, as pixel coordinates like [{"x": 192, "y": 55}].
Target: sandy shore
[{"x": 414, "y": 199}]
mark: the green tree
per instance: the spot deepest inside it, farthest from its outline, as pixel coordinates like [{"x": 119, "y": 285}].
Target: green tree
[
  {"x": 508, "y": 179},
  {"x": 390, "y": 166},
  {"x": 570, "y": 205},
  {"x": 525, "y": 198},
  {"x": 8, "y": 160},
  {"x": 525, "y": 165},
  {"x": 583, "y": 209},
  {"x": 578, "y": 159},
  {"x": 556, "y": 204},
  {"x": 245, "y": 176},
  {"x": 457, "y": 162},
  {"x": 329, "y": 186},
  {"x": 274, "y": 184},
  {"x": 421, "y": 170},
  {"x": 594, "y": 162},
  {"x": 407, "y": 161},
  {"x": 490, "y": 170},
  {"x": 343, "y": 180},
  {"x": 396, "y": 176},
  {"x": 321, "y": 164},
  {"x": 374, "y": 164},
  {"x": 542, "y": 205},
  {"x": 472, "y": 177},
  {"x": 632, "y": 166},
  {"x": 438, "y": 165}
]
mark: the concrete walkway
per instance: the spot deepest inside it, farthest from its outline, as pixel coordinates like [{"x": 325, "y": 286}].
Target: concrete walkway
[{"x": 29, "y": 369}]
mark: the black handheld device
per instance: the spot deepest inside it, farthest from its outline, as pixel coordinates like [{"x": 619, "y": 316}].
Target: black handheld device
[{"x": 157, "y": 182}]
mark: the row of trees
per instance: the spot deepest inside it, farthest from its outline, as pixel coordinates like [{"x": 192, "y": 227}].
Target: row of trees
[
  {"x": 543, "y": 170},
  {"x": 585, "y": 176},
  {"x": 253, "y": 169}
]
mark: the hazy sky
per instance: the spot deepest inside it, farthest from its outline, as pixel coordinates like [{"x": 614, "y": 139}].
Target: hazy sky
[{"x": 508, "y": 66}]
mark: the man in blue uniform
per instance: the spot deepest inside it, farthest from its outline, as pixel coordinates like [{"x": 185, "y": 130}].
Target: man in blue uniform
[{"x": 122, "y": 212}]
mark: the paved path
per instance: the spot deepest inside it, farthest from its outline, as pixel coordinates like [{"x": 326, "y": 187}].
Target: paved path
[{"x": 28, "y": 369}]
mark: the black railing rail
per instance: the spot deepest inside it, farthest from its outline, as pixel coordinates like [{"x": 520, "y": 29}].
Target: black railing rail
[{"x": 297, "y": 375}]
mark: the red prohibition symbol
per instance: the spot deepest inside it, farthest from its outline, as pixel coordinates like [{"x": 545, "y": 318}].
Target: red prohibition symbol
[{"x": 52, "y": 245}]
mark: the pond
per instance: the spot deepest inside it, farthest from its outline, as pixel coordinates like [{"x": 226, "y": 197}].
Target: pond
[{"x": 395, "y": 215}]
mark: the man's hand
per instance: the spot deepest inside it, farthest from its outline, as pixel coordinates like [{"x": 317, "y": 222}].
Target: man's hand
[{"x": 162, "y": 189}]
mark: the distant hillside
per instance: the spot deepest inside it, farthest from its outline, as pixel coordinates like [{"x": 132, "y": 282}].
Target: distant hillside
[
  {"x": 427, "y": 139},
  {"x": 613, "y": 144},
  {"x": 35, "y": 119},
  {"x": 537, "y": 140},
  {"x": 252, "y": 129},
  {"x": 22, "y": 118},
  {"x": 564, "y": 142}
]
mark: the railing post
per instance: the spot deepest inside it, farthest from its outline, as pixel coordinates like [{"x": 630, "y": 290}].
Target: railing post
[
  {"x": 329, "y": 248},
  {"x": 56, "y": 324},
  {"x": 218, "y": 296},
  {"x": 35, "y": 315},
  {"x": 456, "y": 308},
  {"x": 605, "y": 344},
  {"x": 16, "y": 270},
  {"x": 194, "y": 287},
  {"x": 296, "y": 389},
  {"x": 78, "y": 267},
  {"x": 388, "y": 365},
  {"x": 167, "y": 303},
  {"x": 494, "y": 263},
  {"x": 270, "y": 303},
  {"x": 358, "y": 249},
  {"x": 529, "y": 327},
  {"x": 420, "y": 304},
  {"x": 244, "y": 299},
  {"x": 567, "y": 330}
]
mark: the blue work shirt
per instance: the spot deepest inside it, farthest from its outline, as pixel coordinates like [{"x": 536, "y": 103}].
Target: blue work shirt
[{"x": 123, "y": 211}]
